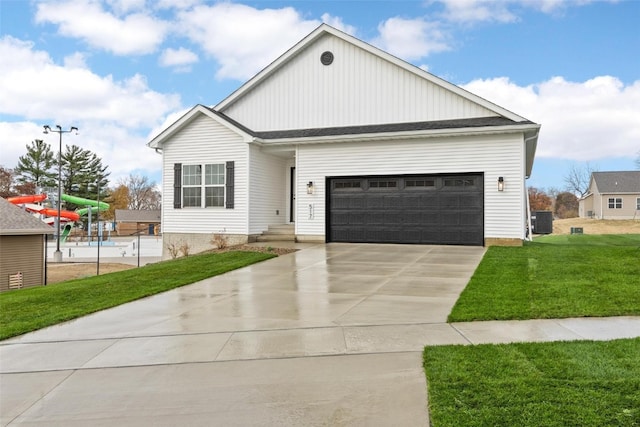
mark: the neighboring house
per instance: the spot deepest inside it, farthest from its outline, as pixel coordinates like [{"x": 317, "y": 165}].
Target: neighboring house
[
  {"x": 129, "y": 222},
  {"x": 347, "y": 143},
  {"x": 22, "y": 248},
  {"x": 612, "y": 195}
]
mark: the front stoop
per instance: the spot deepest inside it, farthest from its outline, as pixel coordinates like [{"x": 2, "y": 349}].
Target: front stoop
[{"x": 278, "y": 233}]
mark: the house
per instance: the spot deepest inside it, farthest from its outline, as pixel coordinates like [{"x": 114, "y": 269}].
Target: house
[
  {"x": 22, "y": 248},
  {"x": 612, "y": 195},
  {"x": 130, "y": 221},
  {"x": 344, "y": 142}
]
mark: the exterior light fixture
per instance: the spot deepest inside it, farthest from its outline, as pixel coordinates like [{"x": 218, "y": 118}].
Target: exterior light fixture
[
  {"x": 310, "y": 187},
  {"x": 57, "y": 255},
  {"x": 500, "y": 183}
]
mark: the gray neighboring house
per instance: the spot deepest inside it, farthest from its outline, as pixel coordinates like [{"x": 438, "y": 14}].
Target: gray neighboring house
[
  {"x": 22, "y": 248},
  {"x": 612, "y": 195},
  {"x": 130, "y": 221}
]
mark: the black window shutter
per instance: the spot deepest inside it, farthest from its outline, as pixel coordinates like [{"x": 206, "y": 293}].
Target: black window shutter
[
  {"x": 230, "y": 185},
  {"x": 177, "y": 185}
]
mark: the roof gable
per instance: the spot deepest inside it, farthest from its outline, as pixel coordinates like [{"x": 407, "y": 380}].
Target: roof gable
[
  {"x": 362, "y": 86},
  {"x": 190, "y": 116},
  {"x": 613, "y": 182}
]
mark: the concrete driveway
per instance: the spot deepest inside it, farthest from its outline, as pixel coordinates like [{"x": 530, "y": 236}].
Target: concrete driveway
[{"x": 329, "y": 335}]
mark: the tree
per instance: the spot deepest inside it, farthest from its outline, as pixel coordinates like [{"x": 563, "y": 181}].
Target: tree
[
  {"x": 118, "y": 199},
  {"x": 539, "y": 200},
  {"x": 142, "y": 193},
  {"x": 36, "y": 167},
  {"x": 578, "y": 178},
  {"x": 566, "y": 205},
  {"x": 6, "y": 182},
  {"x": 83, "y": 175}
]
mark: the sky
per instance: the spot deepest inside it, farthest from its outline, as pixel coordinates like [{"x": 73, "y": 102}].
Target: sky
[{"x": 122, "y": 70}]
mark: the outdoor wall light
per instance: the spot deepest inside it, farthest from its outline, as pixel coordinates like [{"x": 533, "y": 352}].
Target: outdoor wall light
[
  {"x": 500, "y": 183},
  {"x": 310, "y": 187}
]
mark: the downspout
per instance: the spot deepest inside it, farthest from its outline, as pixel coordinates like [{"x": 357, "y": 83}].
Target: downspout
[{"x": 529, "y": 232}]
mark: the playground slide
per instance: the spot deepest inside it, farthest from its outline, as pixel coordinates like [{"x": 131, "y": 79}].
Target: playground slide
[
  {"x": 28, "y": 202},
  {"x": 80, "y": 201}
]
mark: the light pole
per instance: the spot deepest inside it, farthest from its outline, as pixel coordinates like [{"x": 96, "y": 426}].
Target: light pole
[
  {"x": 98, "y": 231},
  {"x": 57, "y": 255}
]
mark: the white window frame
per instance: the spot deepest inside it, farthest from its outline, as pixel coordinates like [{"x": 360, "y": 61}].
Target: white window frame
[
  {"x": 615, "y": 203},
  {"x": 197, "y": 180}
]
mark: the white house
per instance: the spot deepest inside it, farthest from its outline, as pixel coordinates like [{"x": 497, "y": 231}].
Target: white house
[{"x": 347, "y": 143}]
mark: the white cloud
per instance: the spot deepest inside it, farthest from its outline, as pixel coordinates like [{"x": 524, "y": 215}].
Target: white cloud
[
  {"x": 180, "y": 58},
  {"x": 338, "y": 23},
  {"x": 469, "y": 11},
  {"x": 241, "y": 38},
  {"x": 581, "y": 121},
  {"x": 411, "y": 39},
  {"x": 114, "y": 117},
  {"x": 478, "y": 10},
  {"x": 134, "y": 34}
]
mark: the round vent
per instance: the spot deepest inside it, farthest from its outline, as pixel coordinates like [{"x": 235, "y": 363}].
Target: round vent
[{"x": 326, "y": 58}]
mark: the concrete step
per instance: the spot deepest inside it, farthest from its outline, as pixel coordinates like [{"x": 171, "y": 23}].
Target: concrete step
[
  {"x": 279, "y": 232},
  {"x": 276, "y": 238}
]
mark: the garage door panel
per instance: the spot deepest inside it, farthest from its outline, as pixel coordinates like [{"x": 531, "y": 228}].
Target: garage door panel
[{"x": 424, "y": 209}]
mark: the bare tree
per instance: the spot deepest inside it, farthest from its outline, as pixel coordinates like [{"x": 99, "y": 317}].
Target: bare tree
[
  {"x": 637, "y": 161},
  {"x": 578, "y": 178},
  {"x": 142, "y": 192}
]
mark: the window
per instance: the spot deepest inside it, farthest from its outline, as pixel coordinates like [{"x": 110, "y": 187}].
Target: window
[
  {"x": 615, "y": 203},
  {"x": 343, "y": 185},
  {"x": 383, "y": 184},
  {"x": 638, "y": 204},
  {"x": 193, "y": 186},
  {"x": 419, "y": 183}
]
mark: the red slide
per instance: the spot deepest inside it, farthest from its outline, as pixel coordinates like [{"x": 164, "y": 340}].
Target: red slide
[{"x": 28, "y": 203}]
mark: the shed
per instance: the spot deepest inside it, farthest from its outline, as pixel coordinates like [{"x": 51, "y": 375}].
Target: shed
[{"x": 22, "y": 248}]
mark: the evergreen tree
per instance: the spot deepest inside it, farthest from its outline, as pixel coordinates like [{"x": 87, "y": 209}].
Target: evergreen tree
[
  {"x": 83, "y": 175},
  {"x": 37, "y": 166}
]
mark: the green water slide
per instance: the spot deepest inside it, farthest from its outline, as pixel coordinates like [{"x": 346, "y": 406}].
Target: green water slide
[{"x": 80, "y": 201}]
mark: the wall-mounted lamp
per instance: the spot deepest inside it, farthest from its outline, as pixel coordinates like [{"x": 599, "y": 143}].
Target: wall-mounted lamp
[
  {"x": 500, "y": 183},
  {"x": 310, "y": 187}
]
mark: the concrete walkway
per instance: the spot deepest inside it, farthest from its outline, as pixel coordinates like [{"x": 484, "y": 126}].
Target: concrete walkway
[{"x": 329, "y": 335}]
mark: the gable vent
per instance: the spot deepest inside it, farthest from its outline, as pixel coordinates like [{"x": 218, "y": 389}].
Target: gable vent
[{"x": 326, "y": 58}]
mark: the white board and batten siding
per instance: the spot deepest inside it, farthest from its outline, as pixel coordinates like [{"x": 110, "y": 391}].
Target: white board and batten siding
[
  {"x": 268, "y": 201},
  {"x": 358, "y": 88},
  {"x": 494, "y": 156},
  {"x": 205, "y": 141}
]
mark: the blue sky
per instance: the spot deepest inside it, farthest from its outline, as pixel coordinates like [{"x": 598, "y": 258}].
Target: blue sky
[{"x": 121, "y": 70}]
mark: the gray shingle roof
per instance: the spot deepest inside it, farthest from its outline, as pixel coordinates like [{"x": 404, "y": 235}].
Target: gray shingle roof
[
  {"x": 130, "y": 215},
  {"x": 617, "y": 182},
  {"x": 16, "y": 221},
  {"x": 377, "y": 128}
]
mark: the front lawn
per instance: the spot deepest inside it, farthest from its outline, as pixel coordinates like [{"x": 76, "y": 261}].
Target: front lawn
[
  {"x": 555, "y": 277},
  {"x": 29, "y": 309},
  {"x": 535, "y": 384}
]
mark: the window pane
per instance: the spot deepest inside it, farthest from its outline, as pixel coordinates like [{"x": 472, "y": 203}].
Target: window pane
[
  {"x": 618, "y": 203},
  {"x": 191, "y": 197},
  {"x": 214, "y": 174},
  {"x": 214, "y": 196},
  {"x": 191, "y": 175},
  {"x": 638, "y": 204}
]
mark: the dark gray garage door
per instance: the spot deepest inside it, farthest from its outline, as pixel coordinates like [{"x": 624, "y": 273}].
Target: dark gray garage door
[{"x": 427, "y": 209}]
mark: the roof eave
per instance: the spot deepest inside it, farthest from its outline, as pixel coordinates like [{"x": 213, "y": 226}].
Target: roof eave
[{"x": 430, "y": 133}]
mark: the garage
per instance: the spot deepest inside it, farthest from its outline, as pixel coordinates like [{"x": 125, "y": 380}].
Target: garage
[{"x": 420, "y": 209}]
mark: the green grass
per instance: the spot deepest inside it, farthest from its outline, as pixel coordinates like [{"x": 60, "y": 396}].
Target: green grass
[
  {"x": 555, "y": 277},
  {"x": 31, "y": 309},
  {"x": 535, "y": 384}
]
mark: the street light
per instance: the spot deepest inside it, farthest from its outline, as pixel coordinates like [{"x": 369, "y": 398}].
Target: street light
[{"x": 57, "y": 255}]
